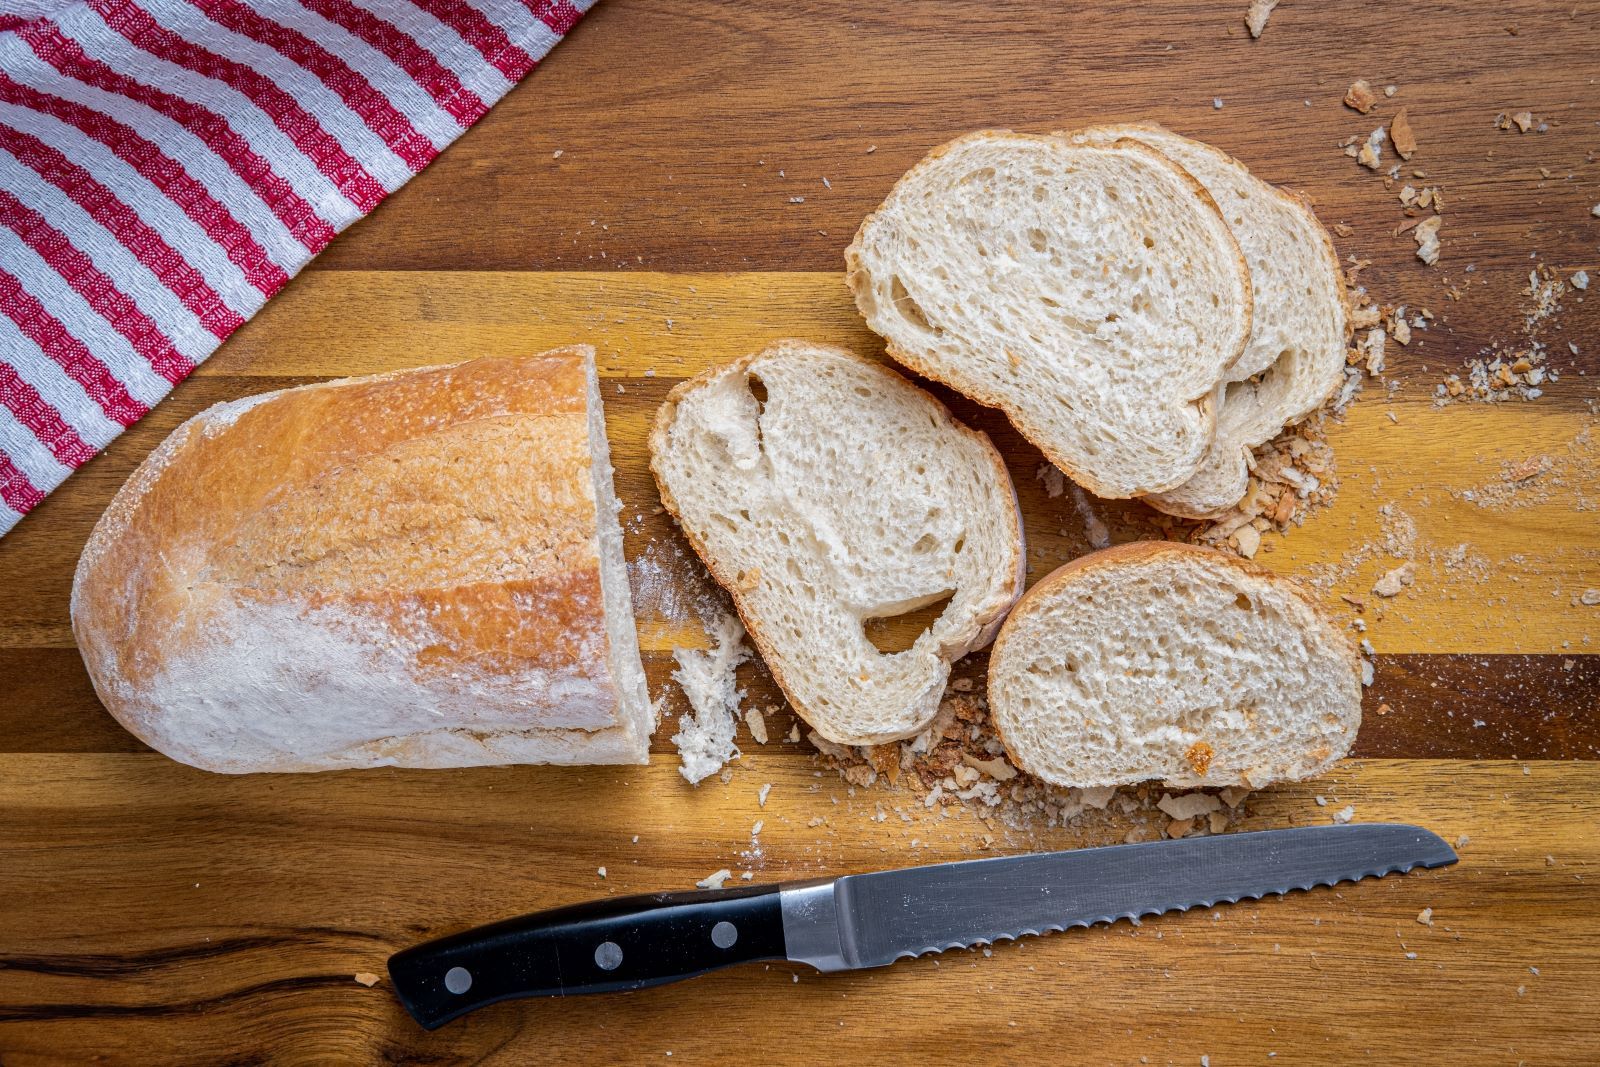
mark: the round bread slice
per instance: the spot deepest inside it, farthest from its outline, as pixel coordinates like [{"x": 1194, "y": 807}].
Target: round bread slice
[
  {"x": 824, "y": 491},
  {"x": 1295, "y": 357},
  {"x": 1092, "y": 292},
  {"x": 1165, "y": 661}
]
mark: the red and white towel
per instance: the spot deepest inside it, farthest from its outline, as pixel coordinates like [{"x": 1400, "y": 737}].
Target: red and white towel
[{"x": 166, "y": 166}]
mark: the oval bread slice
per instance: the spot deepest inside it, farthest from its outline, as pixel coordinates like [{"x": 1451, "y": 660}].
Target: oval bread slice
[
  {"x": 1092, "y": 292},
  {"x": 823, "y": 491},
  {"x": 1165, "y": 661},
  {"x": 1295, "y": 356}
]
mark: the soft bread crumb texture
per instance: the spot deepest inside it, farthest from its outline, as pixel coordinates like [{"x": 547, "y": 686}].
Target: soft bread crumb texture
[
  {"x": 1128, "y": 664},
  {"x": 413, "y": 569},
  {"x": 824, "y": 492},
  {"x": 1092, "y": 292},
  {"x": 707, "y": 678},
  {"x": 1295, "y": 357}
]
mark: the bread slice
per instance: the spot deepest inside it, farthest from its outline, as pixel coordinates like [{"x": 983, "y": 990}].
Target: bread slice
[
  {"x": 824, "y": 491},
  {"x": 1160, "y": 660},
  {"x": 417, "y": 569},
  {"x": 1092, "y": 292},
  {"x": 1295, "y": 356}
]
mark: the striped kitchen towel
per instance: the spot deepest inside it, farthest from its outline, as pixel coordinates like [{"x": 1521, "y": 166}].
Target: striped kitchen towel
[{"x": 166, "y": 166}]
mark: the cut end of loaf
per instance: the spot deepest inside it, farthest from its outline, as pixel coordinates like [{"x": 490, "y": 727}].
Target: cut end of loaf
[{"x": 1158, "y": 661}]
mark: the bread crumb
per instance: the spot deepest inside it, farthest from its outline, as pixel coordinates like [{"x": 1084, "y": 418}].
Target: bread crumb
[
  {"x": 1579, "y": 280},
  {"x": 761, "y": 795},
  {"x": 714, "y": 881},
  {"x": 1524, "y": 121},
  {"x": 1393, "y": 581},
  {"x": 1322, "y": 801},
  {"x": 1360, "y": 96},
  {"x": 1427, "y": 237},
  {"x": 1425, "y": 916},
  {"x": 1345, "y": 814},
  {"x": 1217, "y": 821},
  {"x": 367, "y": 978},
  {"x": 1180, "y": 828},
  {"x": 1233, "y": 796},
  {"x": 1256, "y": 16},
  {"x": 996, "y": 768},
  {"x": 1189, "y": 805},
  {"x": 601, "y": 871},
  {"x": 1216, "y": 102},
  {"x": 1370, "y": 154},
  {"x": 1054, "y": 482},
  {"x": 556, "y": 154},
  {"x": 1589, "y": 597},
  {"x": 757, "y": 724},
  {"x": 1401, "y": 135}
]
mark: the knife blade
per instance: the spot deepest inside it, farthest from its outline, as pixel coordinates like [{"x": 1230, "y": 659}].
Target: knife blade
[{"x": 871, "y": 920}]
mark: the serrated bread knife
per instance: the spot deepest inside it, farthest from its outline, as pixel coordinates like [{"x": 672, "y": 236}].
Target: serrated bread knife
[{"x": 871, "y": 920}]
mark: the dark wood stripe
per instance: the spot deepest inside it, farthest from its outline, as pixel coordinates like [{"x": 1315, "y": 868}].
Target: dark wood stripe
[{"x": 1464, "y": 706}]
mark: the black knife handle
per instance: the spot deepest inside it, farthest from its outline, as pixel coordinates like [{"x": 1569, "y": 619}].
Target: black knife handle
[{"x": 598, "y": 947}]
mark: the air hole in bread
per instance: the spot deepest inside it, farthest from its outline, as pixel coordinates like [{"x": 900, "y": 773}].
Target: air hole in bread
[
  {"x": 908, "y": 308},
  {"x": 983, "y": 174},
  {"x": 896, "y": 633},
  {"x": 1149, "y": 242},
  {"x": 1243, "y": 602},
  {"x": 1037, "y": 239}
]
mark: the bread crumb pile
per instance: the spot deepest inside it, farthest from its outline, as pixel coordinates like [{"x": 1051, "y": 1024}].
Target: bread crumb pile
[{"x": 960, "y": 763}]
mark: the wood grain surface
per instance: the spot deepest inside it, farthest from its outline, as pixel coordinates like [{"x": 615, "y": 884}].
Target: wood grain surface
[{"x": 155, "y": 914}]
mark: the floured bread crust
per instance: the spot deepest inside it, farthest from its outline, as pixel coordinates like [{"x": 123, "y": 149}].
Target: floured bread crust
[{"x": 401, "y": 570}]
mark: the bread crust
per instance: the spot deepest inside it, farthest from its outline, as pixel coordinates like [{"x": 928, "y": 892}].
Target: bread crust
[
  {"x": 990, "y": 621},
  {"x": 1141, "y": 552},
  {"x": 856, "y": 279},
  {"x": 441, "y": 521}
]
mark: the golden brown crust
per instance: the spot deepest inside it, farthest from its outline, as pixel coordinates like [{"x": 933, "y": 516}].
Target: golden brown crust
[
  {"x": 666, "y": 415},
  {"x": 1139, "y": 552},
  {"x": 449, "y": 508},
  {"x": 855, "y": 280}
]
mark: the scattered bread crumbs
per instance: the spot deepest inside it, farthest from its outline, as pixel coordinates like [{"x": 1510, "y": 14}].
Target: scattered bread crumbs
[
  {"x": 1343, "y": 229},
  {"x": 1579, "y": 280},
  {"x": 1401, "y": 136},
  {"x": 1504, "y": 372},
  {"x": 757, "y": 723},
  {"x": 367, "y": 978},
  {"x": 1425, "y": 916},
  {"x": 714, "y": 881},
  {"x": 761, "y": 794},
  {"x": 1345, "y": 814},
  {"x": 1360, "y": 96},
  {"x": 1589, "y": 598},
  {"x": 1427, "y": 237},
  {"x": 1257, "y": 14}
]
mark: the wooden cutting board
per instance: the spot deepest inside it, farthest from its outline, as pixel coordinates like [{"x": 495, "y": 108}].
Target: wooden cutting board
[{"x": 676, "y": 187}]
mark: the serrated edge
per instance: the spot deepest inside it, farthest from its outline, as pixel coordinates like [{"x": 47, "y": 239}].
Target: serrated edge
[{"x": 1135, "y": 916}]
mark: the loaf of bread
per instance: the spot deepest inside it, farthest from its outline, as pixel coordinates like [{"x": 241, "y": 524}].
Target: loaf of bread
[
  {"x": 417, "y": 569},
  {"x": 825, "y": 491},
  {"x": 1091, "y": 291},
  {"x": 1165, "y": 661},
  {"x": 1295, "y": 356}
]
